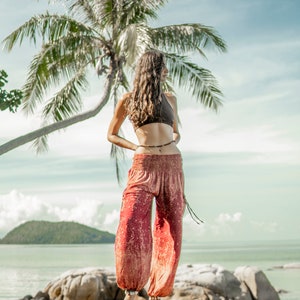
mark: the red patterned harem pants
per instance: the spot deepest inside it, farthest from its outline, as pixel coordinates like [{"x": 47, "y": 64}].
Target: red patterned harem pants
[{"x": 141, "y": 256}]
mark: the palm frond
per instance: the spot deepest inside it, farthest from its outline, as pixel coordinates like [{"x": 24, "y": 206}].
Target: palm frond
[
  {"x": 199, "y": 81},
  {"x": 107, "y": 30},
  {"x": 121, "y": 80},
  {"x": 84, "y": 9},
  {"x": 133, "y": 41},
  {"x": 118, "y": 155},
  {"x": 45, "y": 26},
  {"x": 67, "y": 101},
  {"x": 187, "y": 37},
  {"x": 40, "y": 145},
  {"x": 103, "y": 12},
  {"x": 57, "y": 60},
  {"x": 137, "y": 12},
  {"x": 119, "y": 14}
]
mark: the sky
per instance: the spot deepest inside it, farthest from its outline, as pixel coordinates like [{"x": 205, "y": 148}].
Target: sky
[{"x": 241, "y": 165}]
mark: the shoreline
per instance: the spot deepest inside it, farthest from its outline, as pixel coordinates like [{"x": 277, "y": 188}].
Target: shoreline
[
  {"x": 285, "y": 292},
  {"x": 208, "y": 281},
  {"x": 27, "y": 269}
]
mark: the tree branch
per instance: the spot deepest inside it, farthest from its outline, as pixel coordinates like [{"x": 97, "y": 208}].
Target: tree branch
[{"x": 29, "y": 137}]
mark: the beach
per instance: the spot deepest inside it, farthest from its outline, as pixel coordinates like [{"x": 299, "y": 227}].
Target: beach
[{"x": 26, "y": 269}]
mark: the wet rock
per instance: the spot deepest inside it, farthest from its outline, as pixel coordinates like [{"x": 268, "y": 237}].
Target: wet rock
[
  {"x": 27, "y": 297},
  {"x": 257, "y": 283},
  {"x": 201, "y": 282},
  {"x": 288, "y": 266},
  {"x": 39, "y": 296}
]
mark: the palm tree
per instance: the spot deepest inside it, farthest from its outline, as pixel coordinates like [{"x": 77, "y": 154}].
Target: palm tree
[{"x": 106, "y": 35}]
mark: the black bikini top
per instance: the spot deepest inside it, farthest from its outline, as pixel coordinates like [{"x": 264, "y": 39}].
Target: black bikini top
[{"x": 163, "y": 113}]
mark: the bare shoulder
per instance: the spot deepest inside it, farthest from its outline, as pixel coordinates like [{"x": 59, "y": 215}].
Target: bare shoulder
[
  {"x": 125, "y": 97},
  {"x": 122, "y": 101},
  {"x": 120, "y": 110}
]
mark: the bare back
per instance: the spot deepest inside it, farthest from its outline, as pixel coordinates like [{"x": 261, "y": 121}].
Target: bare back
[
  {"x": 156, "y": 134},
  {"x": 154, "y": 138}
]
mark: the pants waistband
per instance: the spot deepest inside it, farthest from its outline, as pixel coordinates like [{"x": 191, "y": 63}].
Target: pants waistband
[{"x": 158, "y": 162}]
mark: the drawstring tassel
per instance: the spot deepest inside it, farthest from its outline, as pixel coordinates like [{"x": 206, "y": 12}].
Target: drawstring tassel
[{"x": 192, "y": 213}]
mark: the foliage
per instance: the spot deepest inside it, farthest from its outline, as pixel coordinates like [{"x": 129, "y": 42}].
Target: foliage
[
  {"x": 109, "y": 36},
  {"x": 9, "y": 99},
  {"x": 42, "y": 232}
]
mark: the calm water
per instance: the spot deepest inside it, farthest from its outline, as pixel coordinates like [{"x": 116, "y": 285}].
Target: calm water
[{"x": 27, "y": 269}]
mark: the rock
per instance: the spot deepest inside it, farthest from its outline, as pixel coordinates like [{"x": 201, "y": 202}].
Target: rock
[
  {"x": 212, "y": 277},
  {"x": 86, "y": 284},
  {"x": 257, "y": 283},
  {"x": 201, "y": 282},
  {"x": 208, "y": 282},
  {"x": 288, "y": 266},
  {"x": 292, "y": 266},
  {"x": 27, "y": 297},
  {"x": 282, "y": 291},
  {"x": 39, "y": 296},
  {"x": 89, "y": 283}
]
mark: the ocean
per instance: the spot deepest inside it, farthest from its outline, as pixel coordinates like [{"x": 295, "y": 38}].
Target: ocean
[{"x": 26, "y": 269}]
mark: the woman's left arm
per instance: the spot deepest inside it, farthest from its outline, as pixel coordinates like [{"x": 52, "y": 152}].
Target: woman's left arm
[
  {"x": 173, "y": 101},
  {"x": 115, "y": 124}
]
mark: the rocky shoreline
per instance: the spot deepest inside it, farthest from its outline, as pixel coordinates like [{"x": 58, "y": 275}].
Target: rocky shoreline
[{"x": 202, "y": 282}]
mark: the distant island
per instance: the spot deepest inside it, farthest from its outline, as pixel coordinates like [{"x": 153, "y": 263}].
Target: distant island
[{"x": 43, "y": 232}]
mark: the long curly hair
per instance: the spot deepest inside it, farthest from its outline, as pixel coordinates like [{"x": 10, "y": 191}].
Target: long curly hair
[{"x": 146, "y": 91}]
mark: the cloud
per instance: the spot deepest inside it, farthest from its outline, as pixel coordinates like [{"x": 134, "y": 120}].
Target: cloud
[
  {"x": 85, "y": 211},
  {"x": 268, "y": 227},
  {"x": 226, "y": 226},
  {"x": 17, "y": 208},
  {"x": 111, "y": 220},
  {"x": 233, "y": 131},
  {"x": 227, "y": 218}
]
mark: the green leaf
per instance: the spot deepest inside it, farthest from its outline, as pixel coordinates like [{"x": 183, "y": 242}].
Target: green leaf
[
  {"x": 199, "y": 81},
  {"x": 67, "y": 101},
  {"x": 9, "y": 99},
  {"x": 115, "y": 34},
  {"x": 184, "y": 38}
]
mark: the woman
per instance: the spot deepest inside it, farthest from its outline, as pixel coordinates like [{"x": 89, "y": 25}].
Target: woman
[{"x": 156, "y": 172}]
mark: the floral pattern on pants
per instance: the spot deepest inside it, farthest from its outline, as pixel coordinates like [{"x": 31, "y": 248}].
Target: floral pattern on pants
[{"x": 141, "y": 255}]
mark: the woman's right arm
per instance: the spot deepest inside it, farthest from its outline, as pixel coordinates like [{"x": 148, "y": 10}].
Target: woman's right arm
[{"x": 115, "y": 125}]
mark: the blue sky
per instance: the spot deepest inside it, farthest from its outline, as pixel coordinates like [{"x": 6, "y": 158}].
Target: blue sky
[{"x": 241, "y": 164}]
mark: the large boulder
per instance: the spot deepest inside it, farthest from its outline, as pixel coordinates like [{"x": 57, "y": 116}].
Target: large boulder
[
  {"x": 86, "y": 284},
  {"x": 209, "y": 281},
  {"x": 201, "y": 282},
  {"x": 257, "y": 283}
]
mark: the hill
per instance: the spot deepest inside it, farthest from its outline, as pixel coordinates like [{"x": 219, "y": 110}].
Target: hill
[{"x": 43, "y": 232}]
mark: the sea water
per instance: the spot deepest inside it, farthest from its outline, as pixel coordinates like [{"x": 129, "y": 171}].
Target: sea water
[{"x": 26, "y": 269}]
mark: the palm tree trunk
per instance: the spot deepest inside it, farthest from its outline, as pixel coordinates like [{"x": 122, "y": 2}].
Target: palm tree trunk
[{"x": 24, "y": 139}]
